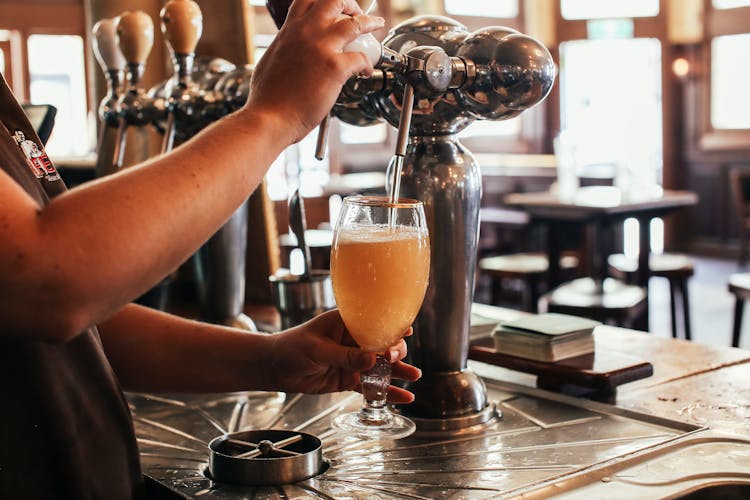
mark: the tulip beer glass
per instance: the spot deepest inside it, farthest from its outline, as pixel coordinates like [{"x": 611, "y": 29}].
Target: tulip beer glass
[{"x": 380, "y": 263}]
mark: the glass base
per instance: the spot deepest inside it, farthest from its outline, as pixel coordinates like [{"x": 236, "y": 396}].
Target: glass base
[{"x": 385, "y": 426}]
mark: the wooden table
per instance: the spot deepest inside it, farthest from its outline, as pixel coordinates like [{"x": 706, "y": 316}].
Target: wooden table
[{"x": 598, "y": 209}]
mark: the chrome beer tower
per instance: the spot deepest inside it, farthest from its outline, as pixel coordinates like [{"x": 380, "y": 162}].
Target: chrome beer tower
[
  {"x": 443, "y": 78},
  {"x": 200, "y": 92}
]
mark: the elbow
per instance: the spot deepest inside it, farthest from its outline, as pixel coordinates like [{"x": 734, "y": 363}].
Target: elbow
[
  {"x": 54, "y": 326},
  {"x": 64, "y": 315},
  {"x": 60, "y": 326}
]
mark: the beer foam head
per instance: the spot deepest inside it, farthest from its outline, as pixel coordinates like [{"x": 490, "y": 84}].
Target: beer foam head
[{"x": 379, "y": 233}]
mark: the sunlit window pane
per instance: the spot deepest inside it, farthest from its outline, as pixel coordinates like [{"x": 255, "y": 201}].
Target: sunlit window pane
[
  {"x": 56, "y": 69},
  {"x": 596, "y": 9},
  {"x": 730, "y": 4},
  {"x": 632, "y": 238},
  {"x": 613, "y": 118},
  {"x": 495, "y": 8},
  {"x": 730, "y": 101},
  {"x": 492, "y": 129},
  {"x": 374, "y": 134},
  {"x": 296, "y": 168}
]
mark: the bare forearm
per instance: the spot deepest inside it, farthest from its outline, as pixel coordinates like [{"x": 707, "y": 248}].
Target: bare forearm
[
  {"x": 153, "y": 351},
  {"x": 164, "y": 210},
  {"x": 126, "y": 232}
]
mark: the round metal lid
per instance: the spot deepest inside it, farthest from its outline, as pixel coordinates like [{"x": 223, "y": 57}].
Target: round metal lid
[{"x": 265, "y": 457}]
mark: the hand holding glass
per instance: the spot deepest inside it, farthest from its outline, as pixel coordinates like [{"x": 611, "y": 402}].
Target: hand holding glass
[{"x": 380, "y": 263}]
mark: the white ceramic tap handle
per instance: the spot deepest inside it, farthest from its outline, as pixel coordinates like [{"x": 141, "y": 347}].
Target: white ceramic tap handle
[
  {"x": 106, "y": 49},
  {"x": 367, "y": 44}
]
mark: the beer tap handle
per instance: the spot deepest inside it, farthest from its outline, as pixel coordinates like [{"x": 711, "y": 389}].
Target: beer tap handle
[
  {"x": 380, "y": 57},
  {"x": 404, "y": 124},
  {"x": 320, "y": 145},
  {"x": 135, "y": 35},
  {"x": 112, "y": 62},
  {"x": 106, "y": 49},
  {"x": 182, "y": 25}
]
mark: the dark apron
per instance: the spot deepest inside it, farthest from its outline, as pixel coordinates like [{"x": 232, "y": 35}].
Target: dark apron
[{"x": 65, "y": 428}]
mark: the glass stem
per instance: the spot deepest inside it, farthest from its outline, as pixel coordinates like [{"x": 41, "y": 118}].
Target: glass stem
[{"x": 375, "y": 382}]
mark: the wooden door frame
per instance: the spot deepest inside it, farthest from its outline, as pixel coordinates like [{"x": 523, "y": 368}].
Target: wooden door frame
[{"x": 7, "y": 49}]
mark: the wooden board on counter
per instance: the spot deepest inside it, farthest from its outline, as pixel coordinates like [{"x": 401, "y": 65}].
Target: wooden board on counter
[{"x": 596, "y": 375}]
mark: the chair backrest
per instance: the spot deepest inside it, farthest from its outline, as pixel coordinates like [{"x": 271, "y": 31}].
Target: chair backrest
[
  {"x": 42, "y": 118},
  {"x": 317, "y": 213},
  {"x": 739, "y": 179}
]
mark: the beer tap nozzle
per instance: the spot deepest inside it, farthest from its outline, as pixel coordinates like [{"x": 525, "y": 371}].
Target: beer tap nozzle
[{"x": 382, "y": 58}]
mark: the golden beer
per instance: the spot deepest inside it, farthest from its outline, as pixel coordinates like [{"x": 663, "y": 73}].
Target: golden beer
[{"x": 380, "y": 275}]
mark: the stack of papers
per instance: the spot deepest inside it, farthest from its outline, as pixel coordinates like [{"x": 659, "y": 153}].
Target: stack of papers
[{"x": 545, "y": 337}]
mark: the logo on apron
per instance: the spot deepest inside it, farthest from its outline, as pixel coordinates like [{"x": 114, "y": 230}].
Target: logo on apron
[{"x": 36, "y": 158}]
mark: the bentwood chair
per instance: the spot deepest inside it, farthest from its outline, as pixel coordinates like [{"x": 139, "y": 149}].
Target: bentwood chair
[
  {"x": 528, "y": 268},
  {"x": 739, "y": 286},
  {"x": 676, "y": 268},
  {"x": 319, "y": 234}
]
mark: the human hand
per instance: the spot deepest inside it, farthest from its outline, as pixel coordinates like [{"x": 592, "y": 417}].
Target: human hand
[
  {"x": 299, "y": 77},
  {"x": 320, "y": 356}
]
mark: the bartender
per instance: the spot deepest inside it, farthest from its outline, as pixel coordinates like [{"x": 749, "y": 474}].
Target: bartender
[{"x": 70, "y": 260}]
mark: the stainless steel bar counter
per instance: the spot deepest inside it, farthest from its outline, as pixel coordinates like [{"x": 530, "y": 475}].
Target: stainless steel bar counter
[{"x": 686, "y": 428}]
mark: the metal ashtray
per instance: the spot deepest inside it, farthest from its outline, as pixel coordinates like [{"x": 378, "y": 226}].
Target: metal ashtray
[
  {"x": 301, "y": 297},
  {"x": 265, "y": 457}
]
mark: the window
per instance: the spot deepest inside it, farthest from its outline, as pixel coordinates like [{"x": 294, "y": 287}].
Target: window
[
  {"x": 6, "y": 66},
  {"x": 730, "y": 4},
  {"x": 596, "y": 9},
  {"x": 56, "y": 69},
  {"x": 615, "y": 120},
  {"x": 297, "y": 167},
  {"x": 374, "y": 134},
  {"x": 607, "y": 110},
  {"x": 730, "y": 101},
  {"x": 483, "y": 8},
  {"x": 724, "y": 108},
  {"x": 486, "y": 128}
]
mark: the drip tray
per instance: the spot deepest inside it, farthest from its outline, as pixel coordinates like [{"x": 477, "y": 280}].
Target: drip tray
[
  {"x": 265, "y": 457},
  {"x": 541, "y": 439}
]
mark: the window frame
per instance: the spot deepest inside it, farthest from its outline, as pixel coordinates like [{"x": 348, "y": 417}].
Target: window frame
[
  {"x": 718, "y": 22},
  {"x": 6, "y": 46},
  {"x": 643, "y": 27}
]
